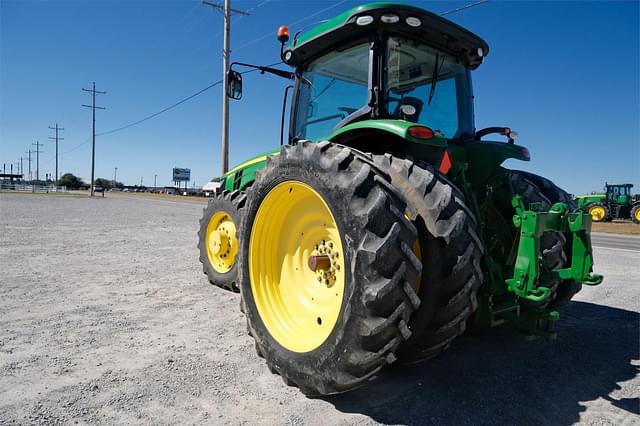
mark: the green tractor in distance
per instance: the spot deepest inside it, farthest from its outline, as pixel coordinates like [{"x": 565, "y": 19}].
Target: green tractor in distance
[
  {"x": 386, "y": 226},
  {"x": 616, "y": 203}
]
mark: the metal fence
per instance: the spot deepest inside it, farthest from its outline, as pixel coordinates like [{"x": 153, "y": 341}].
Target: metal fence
[{"x": 23, "y": 187}]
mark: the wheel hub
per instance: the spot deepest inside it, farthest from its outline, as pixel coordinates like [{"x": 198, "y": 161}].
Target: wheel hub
[
  {"x": 221, "y": 242},
  {"x": 324, "y": 262},
  {"x": 597, "y": 213}
]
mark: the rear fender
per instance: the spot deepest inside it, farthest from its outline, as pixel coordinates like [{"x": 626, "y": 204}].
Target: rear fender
[
  {"x": 395, "y": 128},
  {"x": 484, "y": 158},
  {"x": 390, "y": 136}
]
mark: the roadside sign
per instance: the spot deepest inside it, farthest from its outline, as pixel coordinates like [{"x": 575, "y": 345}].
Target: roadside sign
[{"x": 181, "y": 175}]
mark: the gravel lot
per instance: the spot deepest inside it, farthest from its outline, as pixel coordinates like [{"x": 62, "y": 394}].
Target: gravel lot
[{"x": 106, "y": 318}]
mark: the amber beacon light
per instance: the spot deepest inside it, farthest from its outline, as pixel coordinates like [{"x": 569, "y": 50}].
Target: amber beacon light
[{"x": 283, "y": 34}]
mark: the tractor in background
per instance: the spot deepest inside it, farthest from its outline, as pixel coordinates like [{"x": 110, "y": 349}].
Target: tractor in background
[{"x": 615, "y": 203}]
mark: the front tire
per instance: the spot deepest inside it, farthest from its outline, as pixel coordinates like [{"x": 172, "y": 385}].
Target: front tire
[
  {"x": 218, "y": 238},
  {"x": 635, "y": 214},
  {"x": 329, "y": 331},
  {"x": 599, "y": 212}
]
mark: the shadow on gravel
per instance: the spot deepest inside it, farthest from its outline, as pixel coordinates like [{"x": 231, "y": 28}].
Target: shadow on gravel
[{"x": 498, "y": 379}]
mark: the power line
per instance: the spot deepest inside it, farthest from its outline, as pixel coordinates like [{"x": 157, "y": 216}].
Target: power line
[
  {"x": 251, "y": 9},
  {"x": 467, "y": 6},
  {"x": 161, "y": 111},
  {"x": 270, "y": 34},
  {"x": 86, "y": 141},
  {"x": 93, "y": 106},
  {"x": 170, "y": 107}
]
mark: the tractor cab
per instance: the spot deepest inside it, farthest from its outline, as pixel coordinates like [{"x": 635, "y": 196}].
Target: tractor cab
[
  {"x": 618, "y": 193},
  {"x": 384, "y": 61}
]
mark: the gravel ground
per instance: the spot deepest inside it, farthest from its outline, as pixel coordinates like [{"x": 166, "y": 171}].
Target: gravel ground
[{"x": 106, "y": 318}]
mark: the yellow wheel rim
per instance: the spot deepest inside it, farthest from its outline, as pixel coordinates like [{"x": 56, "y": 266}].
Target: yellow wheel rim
[
  {"x": 221, "y": 242},
  {"x": 597, "y": 213},
  {"x": 296, "y": 266},
  {"x": 637, "y": 215}
]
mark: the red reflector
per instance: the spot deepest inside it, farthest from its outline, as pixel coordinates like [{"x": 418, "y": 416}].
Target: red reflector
[
  {"x": 525, "y": 153},
  {"x": 445, "y": 163},
  {"x": 507, "y": 131},
  {"x": 420, "y": 132}
]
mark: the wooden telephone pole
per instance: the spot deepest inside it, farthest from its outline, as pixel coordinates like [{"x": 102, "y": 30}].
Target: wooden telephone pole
[{"x": 227, "y": 11}]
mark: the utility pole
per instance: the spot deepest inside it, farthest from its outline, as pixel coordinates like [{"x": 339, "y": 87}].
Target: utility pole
[
  {"x": 155, "y": 179},
  {"x": 115, "y": 175},
  {"x": 37, "y": 145},
  {"x": 29, "y": 152},
  {"x": 93, "y": 148},
  {"x": 141, "y": 181},
  {"x": 226, "y": 11},
  {"x": 56, "y": 139}
]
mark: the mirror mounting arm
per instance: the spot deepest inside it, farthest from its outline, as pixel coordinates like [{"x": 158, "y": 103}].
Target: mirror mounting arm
[{"x": 263, "y": 69}]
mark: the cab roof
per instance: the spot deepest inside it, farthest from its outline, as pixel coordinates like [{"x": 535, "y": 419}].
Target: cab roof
[{"x": 432, "y": 29}]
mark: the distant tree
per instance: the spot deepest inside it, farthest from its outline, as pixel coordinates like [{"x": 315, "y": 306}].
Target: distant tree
[
  {"x": 105, "y": 183},
  {"x": 70, "y": 181}
]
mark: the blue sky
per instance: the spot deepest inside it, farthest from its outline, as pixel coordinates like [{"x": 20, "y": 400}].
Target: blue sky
[{"x": 565, "y": 75}]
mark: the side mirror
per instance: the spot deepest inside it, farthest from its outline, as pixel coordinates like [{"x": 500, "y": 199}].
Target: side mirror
[{"x": 234, "y": 85}]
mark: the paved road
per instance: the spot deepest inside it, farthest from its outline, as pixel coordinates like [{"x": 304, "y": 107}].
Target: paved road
[
  {"x": 616, "y": 242},
  {"x": 106, "y": 318}
]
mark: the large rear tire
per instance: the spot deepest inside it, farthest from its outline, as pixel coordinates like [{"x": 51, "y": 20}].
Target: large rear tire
[
  {"x": 326, "y": 328},
  {"x": 450, "y": 251},
  {"x": 218, "y": 238}
]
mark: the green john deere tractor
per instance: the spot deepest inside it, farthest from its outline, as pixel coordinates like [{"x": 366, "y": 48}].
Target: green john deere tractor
[
  {"x": 615, "y": 203},
  {"x": 386, "y": 226}
]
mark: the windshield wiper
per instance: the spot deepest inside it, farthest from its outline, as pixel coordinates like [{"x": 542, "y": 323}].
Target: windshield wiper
[
  {"x": 324, "y": 89},
  {"x": 436, "y": 72}
]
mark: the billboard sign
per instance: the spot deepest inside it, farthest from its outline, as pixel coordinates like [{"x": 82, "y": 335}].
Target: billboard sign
[{"x": 181, "y": 175}]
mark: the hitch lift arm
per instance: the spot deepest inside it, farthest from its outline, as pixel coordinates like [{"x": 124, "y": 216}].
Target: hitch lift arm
[{"x": 532, "y": 225}]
